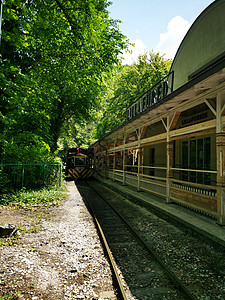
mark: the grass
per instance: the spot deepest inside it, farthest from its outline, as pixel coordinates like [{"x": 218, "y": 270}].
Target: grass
[
  {"x": 5, "y": 242},
  {"x": 44, "y": 196},
  {"x": 12, "y": 240},
  {"x": 29, "y": 200},
  {"x": 24, "y": 230}
]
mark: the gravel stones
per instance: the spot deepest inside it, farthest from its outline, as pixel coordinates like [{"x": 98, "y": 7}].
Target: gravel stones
[{"x": 64, "y": 260}]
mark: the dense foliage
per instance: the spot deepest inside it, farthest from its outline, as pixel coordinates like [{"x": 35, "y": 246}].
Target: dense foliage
[
  {"x": 127, "y": 84},
  {"x": 61, "y": 81},
  {"x": 47, "y": 196},
  {"x": 52, "y": 57},
  {"x": 120, "y": 88}
]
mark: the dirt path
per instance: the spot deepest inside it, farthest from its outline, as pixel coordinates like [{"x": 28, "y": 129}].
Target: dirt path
[{"x": 58, "y": 256}]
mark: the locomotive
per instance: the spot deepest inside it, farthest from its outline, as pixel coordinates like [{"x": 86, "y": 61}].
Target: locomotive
[{"x": 79, "y": 163}]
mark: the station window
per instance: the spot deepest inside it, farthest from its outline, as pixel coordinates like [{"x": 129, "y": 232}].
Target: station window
[{"x": 196, "y": 156}]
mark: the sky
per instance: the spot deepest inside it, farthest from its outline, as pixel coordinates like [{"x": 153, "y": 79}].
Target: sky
[{"x": 155, "y": 25}]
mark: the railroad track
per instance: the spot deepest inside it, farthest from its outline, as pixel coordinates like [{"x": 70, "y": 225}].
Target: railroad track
[{"x": 140, "y": 272}]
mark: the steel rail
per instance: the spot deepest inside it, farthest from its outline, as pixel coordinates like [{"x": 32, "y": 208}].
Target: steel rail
[
  {"x": 112, "y": 261},
  {"x": 184, "y": 290}
]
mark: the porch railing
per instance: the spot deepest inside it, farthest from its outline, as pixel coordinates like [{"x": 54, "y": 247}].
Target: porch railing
[{"x": 158, "y": 185}]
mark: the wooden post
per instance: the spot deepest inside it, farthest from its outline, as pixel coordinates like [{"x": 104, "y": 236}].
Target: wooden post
[
  {"x": 114, "y": 161},
  {"x": 124, "y": 159},
  {"x": 139, "y": 165},
  {"x": 107, "y": 162},
  {"x": 220, "y": 151},
  {"x": 169, "y": 162},
  {"x": 170, "y": 125},
  {"x": 139, "y": 159}
]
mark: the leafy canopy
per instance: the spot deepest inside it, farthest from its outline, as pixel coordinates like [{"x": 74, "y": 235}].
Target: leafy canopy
[
  {"x": 127, "y": 84},
  {"x": 52, "y": 57}
]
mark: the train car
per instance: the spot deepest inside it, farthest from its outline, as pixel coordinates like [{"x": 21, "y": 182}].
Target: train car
[{"x": 79, "y": 164}]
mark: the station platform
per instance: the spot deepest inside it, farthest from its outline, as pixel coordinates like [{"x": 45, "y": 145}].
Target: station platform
[{"x": 198, "y": 223}]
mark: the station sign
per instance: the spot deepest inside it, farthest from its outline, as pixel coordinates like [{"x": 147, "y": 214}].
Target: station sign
[{"x": 151, "y": 97}]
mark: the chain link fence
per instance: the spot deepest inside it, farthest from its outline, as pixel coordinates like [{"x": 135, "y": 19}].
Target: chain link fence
[{"x": 29, "y": 176}]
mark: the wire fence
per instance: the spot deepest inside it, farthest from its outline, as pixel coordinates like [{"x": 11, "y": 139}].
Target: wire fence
[{"x": 29, "y": 176}]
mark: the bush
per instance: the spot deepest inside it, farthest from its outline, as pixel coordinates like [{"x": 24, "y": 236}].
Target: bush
[
  {"x": 4, "y": 183},
  {"x": 48, "y": 196},
  {"x": 27, "y": 148},
  {"x": 29, "y": 176}
]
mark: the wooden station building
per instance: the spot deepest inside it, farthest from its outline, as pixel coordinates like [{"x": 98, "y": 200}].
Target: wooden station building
[{"x": 173, "y": 141}]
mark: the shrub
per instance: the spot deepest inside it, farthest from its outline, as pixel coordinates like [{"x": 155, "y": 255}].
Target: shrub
[{"x": 48, "y": 196}]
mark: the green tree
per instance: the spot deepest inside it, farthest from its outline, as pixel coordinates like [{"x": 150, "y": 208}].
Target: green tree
[
  {"x": 53, "y": 54},
  {"x": 13, "y": 81},
  {"x": 88, "y": 43},
  {"x": 127, "y": 84}
]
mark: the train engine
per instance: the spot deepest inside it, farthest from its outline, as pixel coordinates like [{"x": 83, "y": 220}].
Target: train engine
[{"x": 79, "y": 164}]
